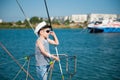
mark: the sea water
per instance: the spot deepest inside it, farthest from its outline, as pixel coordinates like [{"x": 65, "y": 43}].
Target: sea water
[{"x": 98, "y": 55}]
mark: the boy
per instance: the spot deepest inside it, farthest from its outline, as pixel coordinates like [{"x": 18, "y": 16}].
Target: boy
[{"x": 42, "y": 53}]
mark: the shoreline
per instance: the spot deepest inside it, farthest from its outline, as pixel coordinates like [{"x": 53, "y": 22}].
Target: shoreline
[{"x": 28, "y": 27}]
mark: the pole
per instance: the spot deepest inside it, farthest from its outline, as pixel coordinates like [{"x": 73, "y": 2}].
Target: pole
[
  {"x": 48, "y": 14},
  {"x": 55, "y": 46}
]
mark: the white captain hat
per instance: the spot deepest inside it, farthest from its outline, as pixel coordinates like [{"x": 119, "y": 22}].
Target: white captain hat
[{"x": 39, "y": 26}]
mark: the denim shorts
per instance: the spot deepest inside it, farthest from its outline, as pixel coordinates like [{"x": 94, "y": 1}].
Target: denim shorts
[{"x": 42, "y": 72}]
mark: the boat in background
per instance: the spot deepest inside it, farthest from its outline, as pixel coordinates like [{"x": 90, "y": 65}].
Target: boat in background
[{"x": 106, "y": 26}]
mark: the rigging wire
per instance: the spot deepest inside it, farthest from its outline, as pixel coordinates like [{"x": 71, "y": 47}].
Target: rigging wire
[
  {"x": 14, "y": 59},
  {"x": 25, "y": 15},
  {"x": 28, "y": 66},
  {"x": 19, "y": 71},
  {"x": 55, "y": 46},
  {"x": 11, "y": 61}
]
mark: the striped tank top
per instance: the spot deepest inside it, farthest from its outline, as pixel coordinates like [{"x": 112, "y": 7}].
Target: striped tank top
[{"x": 40, "y": 58}]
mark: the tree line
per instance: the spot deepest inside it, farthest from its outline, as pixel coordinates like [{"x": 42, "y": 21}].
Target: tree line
[{"x": 34, "y": 21}]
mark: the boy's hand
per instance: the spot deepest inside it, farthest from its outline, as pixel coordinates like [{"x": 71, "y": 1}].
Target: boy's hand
[
  {"x": 55, "y": 57},
  {"x": 52, "y": 33}
]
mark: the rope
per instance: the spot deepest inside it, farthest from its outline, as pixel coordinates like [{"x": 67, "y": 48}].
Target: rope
[
  {"x": 50, "y": 70},
  {"x": 11, "y": 61},
  {"x": 47, "y": 71},
  {"x": 19, "y": 71},
  {"x": 83, "y": 30},
  {"x": 50, "y": 76},
  {"x": 28, "y": 68},
  {"x": 25, "y": 15},
  {"x": 5, "y": 49}
]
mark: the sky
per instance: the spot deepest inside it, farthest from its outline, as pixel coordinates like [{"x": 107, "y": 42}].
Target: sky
[{"x": 10, "y": 11}]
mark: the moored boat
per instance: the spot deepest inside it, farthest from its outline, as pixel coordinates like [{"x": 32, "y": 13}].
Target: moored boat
[{"x": 107, "y": 26}]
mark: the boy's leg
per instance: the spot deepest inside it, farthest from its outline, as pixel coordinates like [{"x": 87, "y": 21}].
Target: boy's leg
[{"x": 42, "y": 72}]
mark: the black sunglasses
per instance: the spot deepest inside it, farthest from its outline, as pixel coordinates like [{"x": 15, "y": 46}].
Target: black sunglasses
[{"x": 47, "y": 31}]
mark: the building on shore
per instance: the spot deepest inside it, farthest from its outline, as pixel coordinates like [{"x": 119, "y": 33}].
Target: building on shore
[
  {"x": 100, "y": 17},
  {"x": 79, "y": 18}
]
